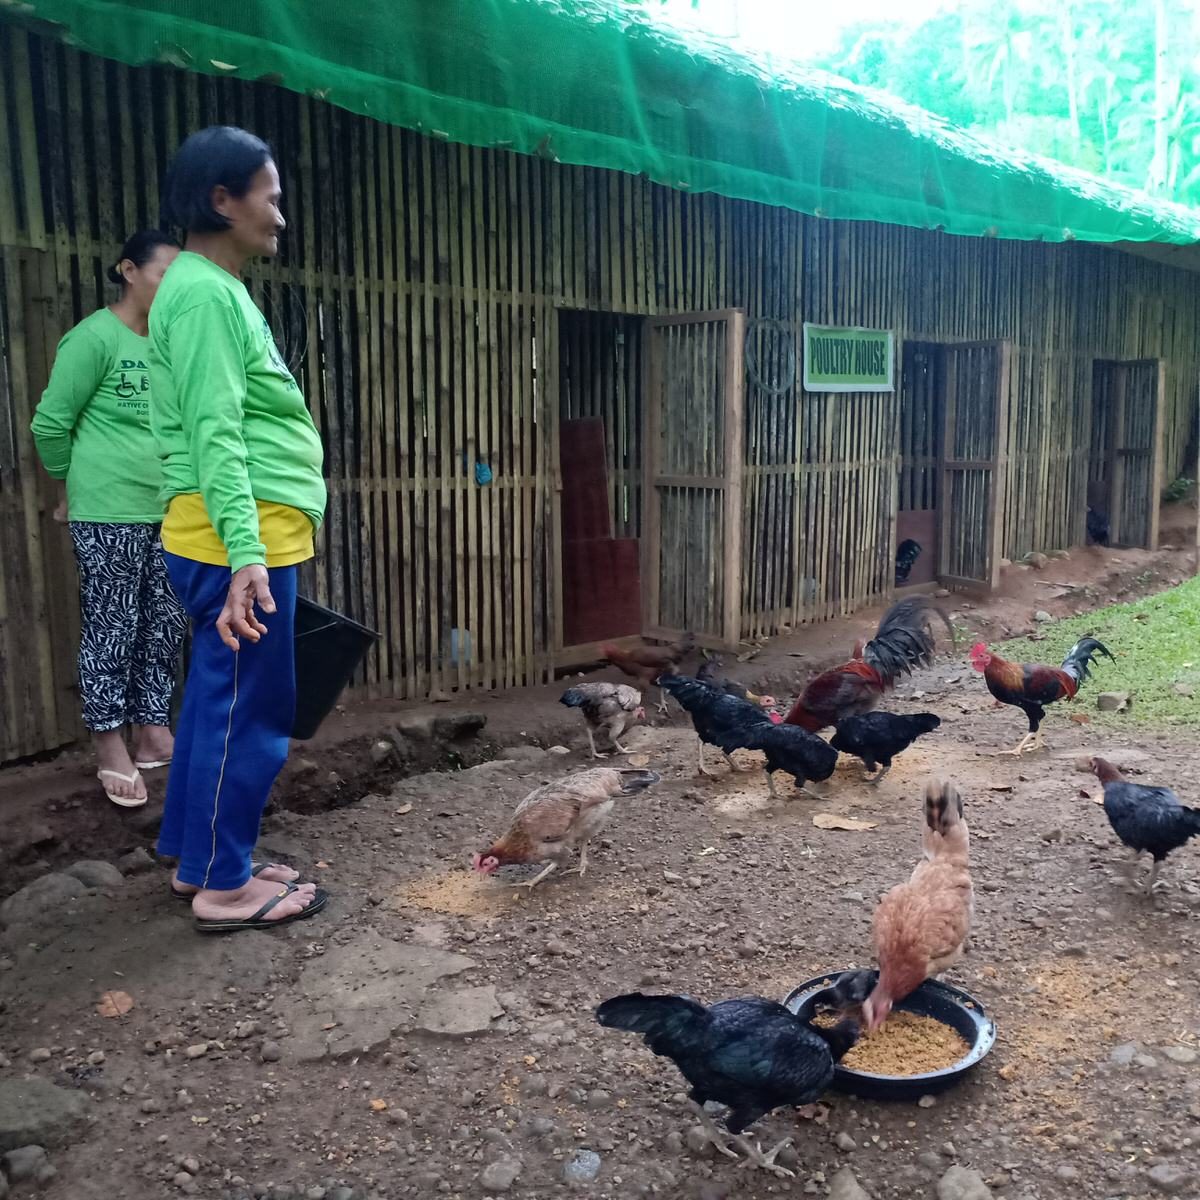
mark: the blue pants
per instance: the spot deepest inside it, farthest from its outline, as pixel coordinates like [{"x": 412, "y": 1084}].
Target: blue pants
[{"x": 234, "y": 727}]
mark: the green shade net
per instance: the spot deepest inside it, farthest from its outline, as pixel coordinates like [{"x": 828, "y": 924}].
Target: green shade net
[{"x": 596, "y": 82}]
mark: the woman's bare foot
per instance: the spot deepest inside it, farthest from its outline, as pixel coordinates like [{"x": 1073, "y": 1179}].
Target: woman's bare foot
[
  {"x": 242, "y": 903},
  {"x": 275, "y": 872},
  {"x": 111, "y": 755},
  {"x": 153, "y": 743}
]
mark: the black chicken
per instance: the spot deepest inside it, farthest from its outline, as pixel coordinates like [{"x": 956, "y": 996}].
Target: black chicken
[
  {"x": 719, "y": 719},
  {"x": 1097, "y": 527},
  {"x": 731, "y": 724},
  {"x": 731, "y": 687},
  {"x": 788, "y": 748},
  {"x": 907, "y": 554},
  {"x": 752, "y": 1055},
  {"x": 877, "y": 737},
  {"x": 1146, "y": 819}
]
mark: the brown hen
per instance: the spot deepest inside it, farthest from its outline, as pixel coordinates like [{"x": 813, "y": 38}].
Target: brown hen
[
  {"x": 558, "y": 817},
  {"x": 647, "y": 663},
  {"x": 920, "y": 927}
]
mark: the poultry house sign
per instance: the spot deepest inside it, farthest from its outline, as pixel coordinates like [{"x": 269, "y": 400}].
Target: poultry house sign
[{"x": 848, "y": 359}]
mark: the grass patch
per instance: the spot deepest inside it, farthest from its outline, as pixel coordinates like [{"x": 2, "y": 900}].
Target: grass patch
[{"x": 1156, "y": 642}]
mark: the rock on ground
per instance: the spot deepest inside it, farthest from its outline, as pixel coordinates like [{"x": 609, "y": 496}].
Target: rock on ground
[
  {"x": 460, "y": 1013},
  {"x": 1169, "y": 1179},
  {"x": 844, "y": 1186},
  {"x": 1124, "y": 1054},
  {"x": 360, "y": 989},
  {"x": 1184, "y": 1055},
  {"x": 136, "y": 861},
  {"x": 25, "y": 1162},
  {"x": 500, "y": 1175},
  {"x": 96, "y": 873},
  {"x": 960, "y": 1183},
  {"x": 582, "y": 1167},
  {"x": 34, "y": 1112},
  {"x": 459, "y": 725},
  {"x": 41, "y": 897}
]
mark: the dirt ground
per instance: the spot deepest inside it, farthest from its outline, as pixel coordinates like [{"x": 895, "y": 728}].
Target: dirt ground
[{"x": 431, "y": 1033}]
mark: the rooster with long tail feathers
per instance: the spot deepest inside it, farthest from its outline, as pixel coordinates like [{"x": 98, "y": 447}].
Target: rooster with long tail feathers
[{"x": 903, "y": 642}]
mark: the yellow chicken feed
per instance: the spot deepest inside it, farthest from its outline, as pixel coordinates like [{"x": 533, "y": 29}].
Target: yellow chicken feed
[{"x": 906, "y": 1044}]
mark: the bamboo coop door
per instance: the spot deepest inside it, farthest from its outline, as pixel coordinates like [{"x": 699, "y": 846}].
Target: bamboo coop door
[
  {"x": 692, "y": 535},
  {"x": 974, "y": 463},
  {"x": 1131, "y": 401}
]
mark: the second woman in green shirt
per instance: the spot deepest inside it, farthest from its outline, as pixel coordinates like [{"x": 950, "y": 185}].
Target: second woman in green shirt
[{"x": 92, "y": 429}]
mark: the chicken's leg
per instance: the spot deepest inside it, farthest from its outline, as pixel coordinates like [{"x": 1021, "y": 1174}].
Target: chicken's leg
[
  {"x": 764, "y": 1161},
  {"x": 882, "y": 772},
  {"x": 580, "y": 870},
  {"x": 1019, "y": 748},
  {"x": 662, "y": 701},
  {"x": 592, "y": 743},
  {"x": 771, "y": 785},
  {"x": 1152, "y": 878},
  {"x": 719, "y": 1138},
  {"x": 613, "y": 730},
  {"x": 532, "y": 883},
  {"x": 723, "y": 1142},
  {"x": 732, "y": 765},
  {"x": 702, "y": 769}
]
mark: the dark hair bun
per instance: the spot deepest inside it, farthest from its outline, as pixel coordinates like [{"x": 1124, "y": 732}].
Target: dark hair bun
[{"x": 139, "y": 249}]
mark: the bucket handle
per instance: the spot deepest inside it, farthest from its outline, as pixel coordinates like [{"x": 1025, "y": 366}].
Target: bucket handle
[{"x": 319, "y": 629}]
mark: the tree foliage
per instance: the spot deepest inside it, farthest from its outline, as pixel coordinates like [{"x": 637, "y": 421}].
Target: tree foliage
[{"x": 1109, "y": 86}]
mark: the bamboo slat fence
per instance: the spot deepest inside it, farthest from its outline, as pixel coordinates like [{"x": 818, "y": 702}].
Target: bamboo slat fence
[{"x": 433, "y": 299}]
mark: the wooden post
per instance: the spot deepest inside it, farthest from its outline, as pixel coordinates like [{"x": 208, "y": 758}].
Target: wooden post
[{"x": 735, "y": 384}]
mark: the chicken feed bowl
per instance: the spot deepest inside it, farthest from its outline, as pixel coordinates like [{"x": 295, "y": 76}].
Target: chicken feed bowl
[{"x": 949, "y": 1005}]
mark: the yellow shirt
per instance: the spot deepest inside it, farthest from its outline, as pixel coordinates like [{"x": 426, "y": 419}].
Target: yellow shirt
[{"x": 187, "y": 532}]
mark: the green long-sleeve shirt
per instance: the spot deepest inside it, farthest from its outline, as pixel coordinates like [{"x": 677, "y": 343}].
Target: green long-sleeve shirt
[
  {"x": 228, "y": 418},
  {"x": 92, "y": 426}
]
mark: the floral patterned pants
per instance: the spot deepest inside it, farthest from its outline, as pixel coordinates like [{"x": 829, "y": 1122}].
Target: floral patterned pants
[{"x": 132, "y": 625}]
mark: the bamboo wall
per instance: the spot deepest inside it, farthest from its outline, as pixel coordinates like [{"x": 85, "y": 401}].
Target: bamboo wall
[{"x": 420, "y": 297}]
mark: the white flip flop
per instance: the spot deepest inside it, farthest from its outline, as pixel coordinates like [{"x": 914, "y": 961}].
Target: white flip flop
[
  {"x": 121, "y": 801},
  {"x": 152, "y": 766}
]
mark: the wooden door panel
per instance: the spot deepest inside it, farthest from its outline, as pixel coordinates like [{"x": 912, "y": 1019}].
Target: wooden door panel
[
  {"x": 694, "y": 471},
  {"x": 974, "y": 463}
]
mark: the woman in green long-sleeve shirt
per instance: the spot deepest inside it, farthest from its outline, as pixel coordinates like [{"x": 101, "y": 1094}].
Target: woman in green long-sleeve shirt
[
  {"x": 242, "y": 476},
  {"x": 92, "y": 429}
]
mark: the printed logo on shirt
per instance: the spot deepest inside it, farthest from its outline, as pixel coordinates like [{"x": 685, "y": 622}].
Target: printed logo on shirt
[
  {"x": 274, "y": 355},
  {"x": 133, "y": 384}
]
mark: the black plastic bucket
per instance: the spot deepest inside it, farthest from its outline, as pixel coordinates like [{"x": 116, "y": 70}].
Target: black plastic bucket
[{"x": 329, "y": 648}]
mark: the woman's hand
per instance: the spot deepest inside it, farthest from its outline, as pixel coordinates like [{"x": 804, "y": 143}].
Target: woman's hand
[
  {"x": 247, "y": 588},
  {"x": 60, "y": 513}
]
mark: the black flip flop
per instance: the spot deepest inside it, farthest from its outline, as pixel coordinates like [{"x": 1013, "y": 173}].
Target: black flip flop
[
  {"x": 256, "y": 869},
  {"x": 257, "y": 920}
]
